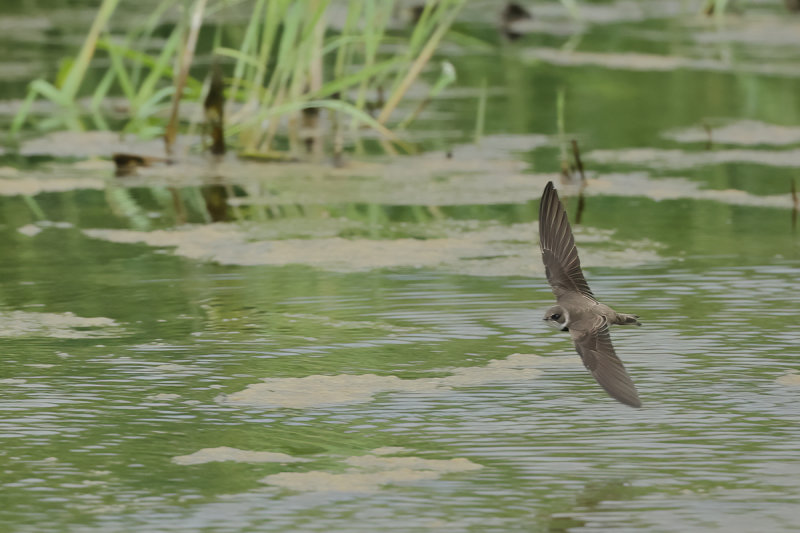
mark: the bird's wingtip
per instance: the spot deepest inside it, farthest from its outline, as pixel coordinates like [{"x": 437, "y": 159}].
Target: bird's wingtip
[
  {"x": 549, "y": 194},
  {"x": 630, "y": 401},
  {"x": 630, "y": 398}
]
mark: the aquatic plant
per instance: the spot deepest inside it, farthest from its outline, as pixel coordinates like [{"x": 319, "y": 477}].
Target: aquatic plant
[
  {"x": 715, "y": 7},
  {"x": 287, "y": 65},
  {"x": 64, "y": 91}
]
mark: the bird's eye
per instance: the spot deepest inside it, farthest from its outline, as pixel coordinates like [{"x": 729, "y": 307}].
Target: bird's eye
[{"x": 556, "y": 316}]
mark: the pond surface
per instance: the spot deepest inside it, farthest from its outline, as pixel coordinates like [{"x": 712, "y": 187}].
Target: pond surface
[{"x": 361, "y": 349}]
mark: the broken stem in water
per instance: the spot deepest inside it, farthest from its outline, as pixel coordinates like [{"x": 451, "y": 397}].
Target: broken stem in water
[{"x": 214, "y": 107}]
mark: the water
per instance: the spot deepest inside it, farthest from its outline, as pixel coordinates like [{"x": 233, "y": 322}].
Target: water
[
  {"x": 92, "y": 426},
  {"x": 365, "y": 351}
]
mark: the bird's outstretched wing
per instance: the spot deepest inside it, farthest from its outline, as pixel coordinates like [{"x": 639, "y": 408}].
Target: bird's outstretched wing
[
  {"x": 597, "y": 352},
  {"x": 559, "y": 254}
]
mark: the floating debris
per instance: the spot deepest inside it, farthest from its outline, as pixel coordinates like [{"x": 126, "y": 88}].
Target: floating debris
[
  {"x": 127, "y": 164},
  {"x": 225, "y": 453},
  {"x": 163, "y": 397},
  {"x": 640, "y": 184},
  {"x": 368, "y": 473},
  {"x": 637, "y": 61},
  {"x": 320, "y": 390},
  {"x": 461, "y": 247},
  {"x": 56, "y": 325},
  {"x": 790, "y": 378},
  {"x": 74, "y": 144},
  {"x": 30, "y": 230},
  {"x": 682, "y": 159},
  {"x": 740, "y": 132}
]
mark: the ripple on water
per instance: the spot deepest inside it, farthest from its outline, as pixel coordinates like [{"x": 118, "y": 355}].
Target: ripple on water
[{"x": 521, "y": 432}]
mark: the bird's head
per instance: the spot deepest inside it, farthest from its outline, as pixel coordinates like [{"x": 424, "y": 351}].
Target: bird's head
[{"x": 557, "y": 317}]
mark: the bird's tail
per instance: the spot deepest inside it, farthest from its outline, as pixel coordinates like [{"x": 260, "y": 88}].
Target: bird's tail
[{"x": 624, "y": 319}]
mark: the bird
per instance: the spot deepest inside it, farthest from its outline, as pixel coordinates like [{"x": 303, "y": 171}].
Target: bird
[{"x": 577, "y": 310}]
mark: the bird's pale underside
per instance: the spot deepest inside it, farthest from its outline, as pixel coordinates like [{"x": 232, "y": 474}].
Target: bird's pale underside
[{"x": 576, "y": 309}]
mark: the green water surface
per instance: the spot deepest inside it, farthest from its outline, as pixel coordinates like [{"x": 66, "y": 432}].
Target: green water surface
[{"x": 119, "y": 358}]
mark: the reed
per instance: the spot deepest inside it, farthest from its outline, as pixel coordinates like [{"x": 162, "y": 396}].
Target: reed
[
  {"x": 65, "y": 90},
  {"x": 287, "y": 60},
  {"x": 480, "y": 115}
]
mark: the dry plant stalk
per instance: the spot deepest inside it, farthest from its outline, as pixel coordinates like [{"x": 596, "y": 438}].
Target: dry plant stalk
[{"x": 183, "y": 72}]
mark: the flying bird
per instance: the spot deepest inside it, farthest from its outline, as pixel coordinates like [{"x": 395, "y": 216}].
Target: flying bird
[{"x": 576, "y": 309}]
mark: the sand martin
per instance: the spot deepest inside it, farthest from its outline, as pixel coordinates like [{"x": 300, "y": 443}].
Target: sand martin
[{"x": 576, "y": 309}]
